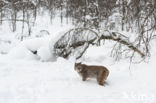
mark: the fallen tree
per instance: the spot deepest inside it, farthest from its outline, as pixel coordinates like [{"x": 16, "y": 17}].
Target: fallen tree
[{"x": 76, "y": 41}]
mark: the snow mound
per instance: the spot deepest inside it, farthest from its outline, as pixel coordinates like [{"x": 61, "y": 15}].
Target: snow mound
[
  {"x": 21, "y": 53},
  {"x": 34, "y": 48}
]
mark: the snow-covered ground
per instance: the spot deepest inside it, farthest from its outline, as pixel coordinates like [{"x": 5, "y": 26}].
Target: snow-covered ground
[
  {"x": 25, "y": 78},
  {"x": 32, "y": 81}
]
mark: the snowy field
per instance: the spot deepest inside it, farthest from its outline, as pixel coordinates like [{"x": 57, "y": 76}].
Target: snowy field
[
  {"x": 31, "y": 81},
  {"x": 26, "y": 79}
]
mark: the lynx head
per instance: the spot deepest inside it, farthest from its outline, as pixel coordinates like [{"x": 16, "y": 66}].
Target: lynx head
[{"x": 78, "y": 67}]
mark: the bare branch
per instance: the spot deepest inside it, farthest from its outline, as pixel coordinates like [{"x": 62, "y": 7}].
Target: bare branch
[{"x": 63, "y": 50}]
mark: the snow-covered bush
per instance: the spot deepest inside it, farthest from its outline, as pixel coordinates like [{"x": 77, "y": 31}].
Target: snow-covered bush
[{"x": 36, "y": 48}]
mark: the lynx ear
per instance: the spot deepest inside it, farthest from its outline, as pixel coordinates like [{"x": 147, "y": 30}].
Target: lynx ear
[{"x": 78, "y": 63}]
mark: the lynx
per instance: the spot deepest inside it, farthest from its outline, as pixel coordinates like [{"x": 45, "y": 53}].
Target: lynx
[{"x": 99, "y": 72}]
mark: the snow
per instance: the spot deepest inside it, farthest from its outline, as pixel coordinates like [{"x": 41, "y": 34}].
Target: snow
[
  {"x": 42, "y": 78},
  {"x": 33, "y": 81},
  {"x": 25, "y": 48}
]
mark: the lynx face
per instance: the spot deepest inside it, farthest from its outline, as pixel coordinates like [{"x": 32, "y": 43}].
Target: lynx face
[
  {"x": 78, "y": 67},
  {"x": 99, "y": 72}
]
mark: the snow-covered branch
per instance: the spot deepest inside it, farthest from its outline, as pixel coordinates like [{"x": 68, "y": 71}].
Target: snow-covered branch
[
  {"x": 72, "y": 40},
  {"x": 120, "y": 39}
]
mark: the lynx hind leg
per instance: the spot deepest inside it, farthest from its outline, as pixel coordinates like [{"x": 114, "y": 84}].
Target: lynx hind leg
[
  {"x": 101, "y": 81},
  {"x": 102, "y": 77}
]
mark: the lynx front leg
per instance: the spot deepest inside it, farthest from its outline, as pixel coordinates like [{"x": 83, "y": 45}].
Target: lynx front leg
[{"x": 84, "y": 77}]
